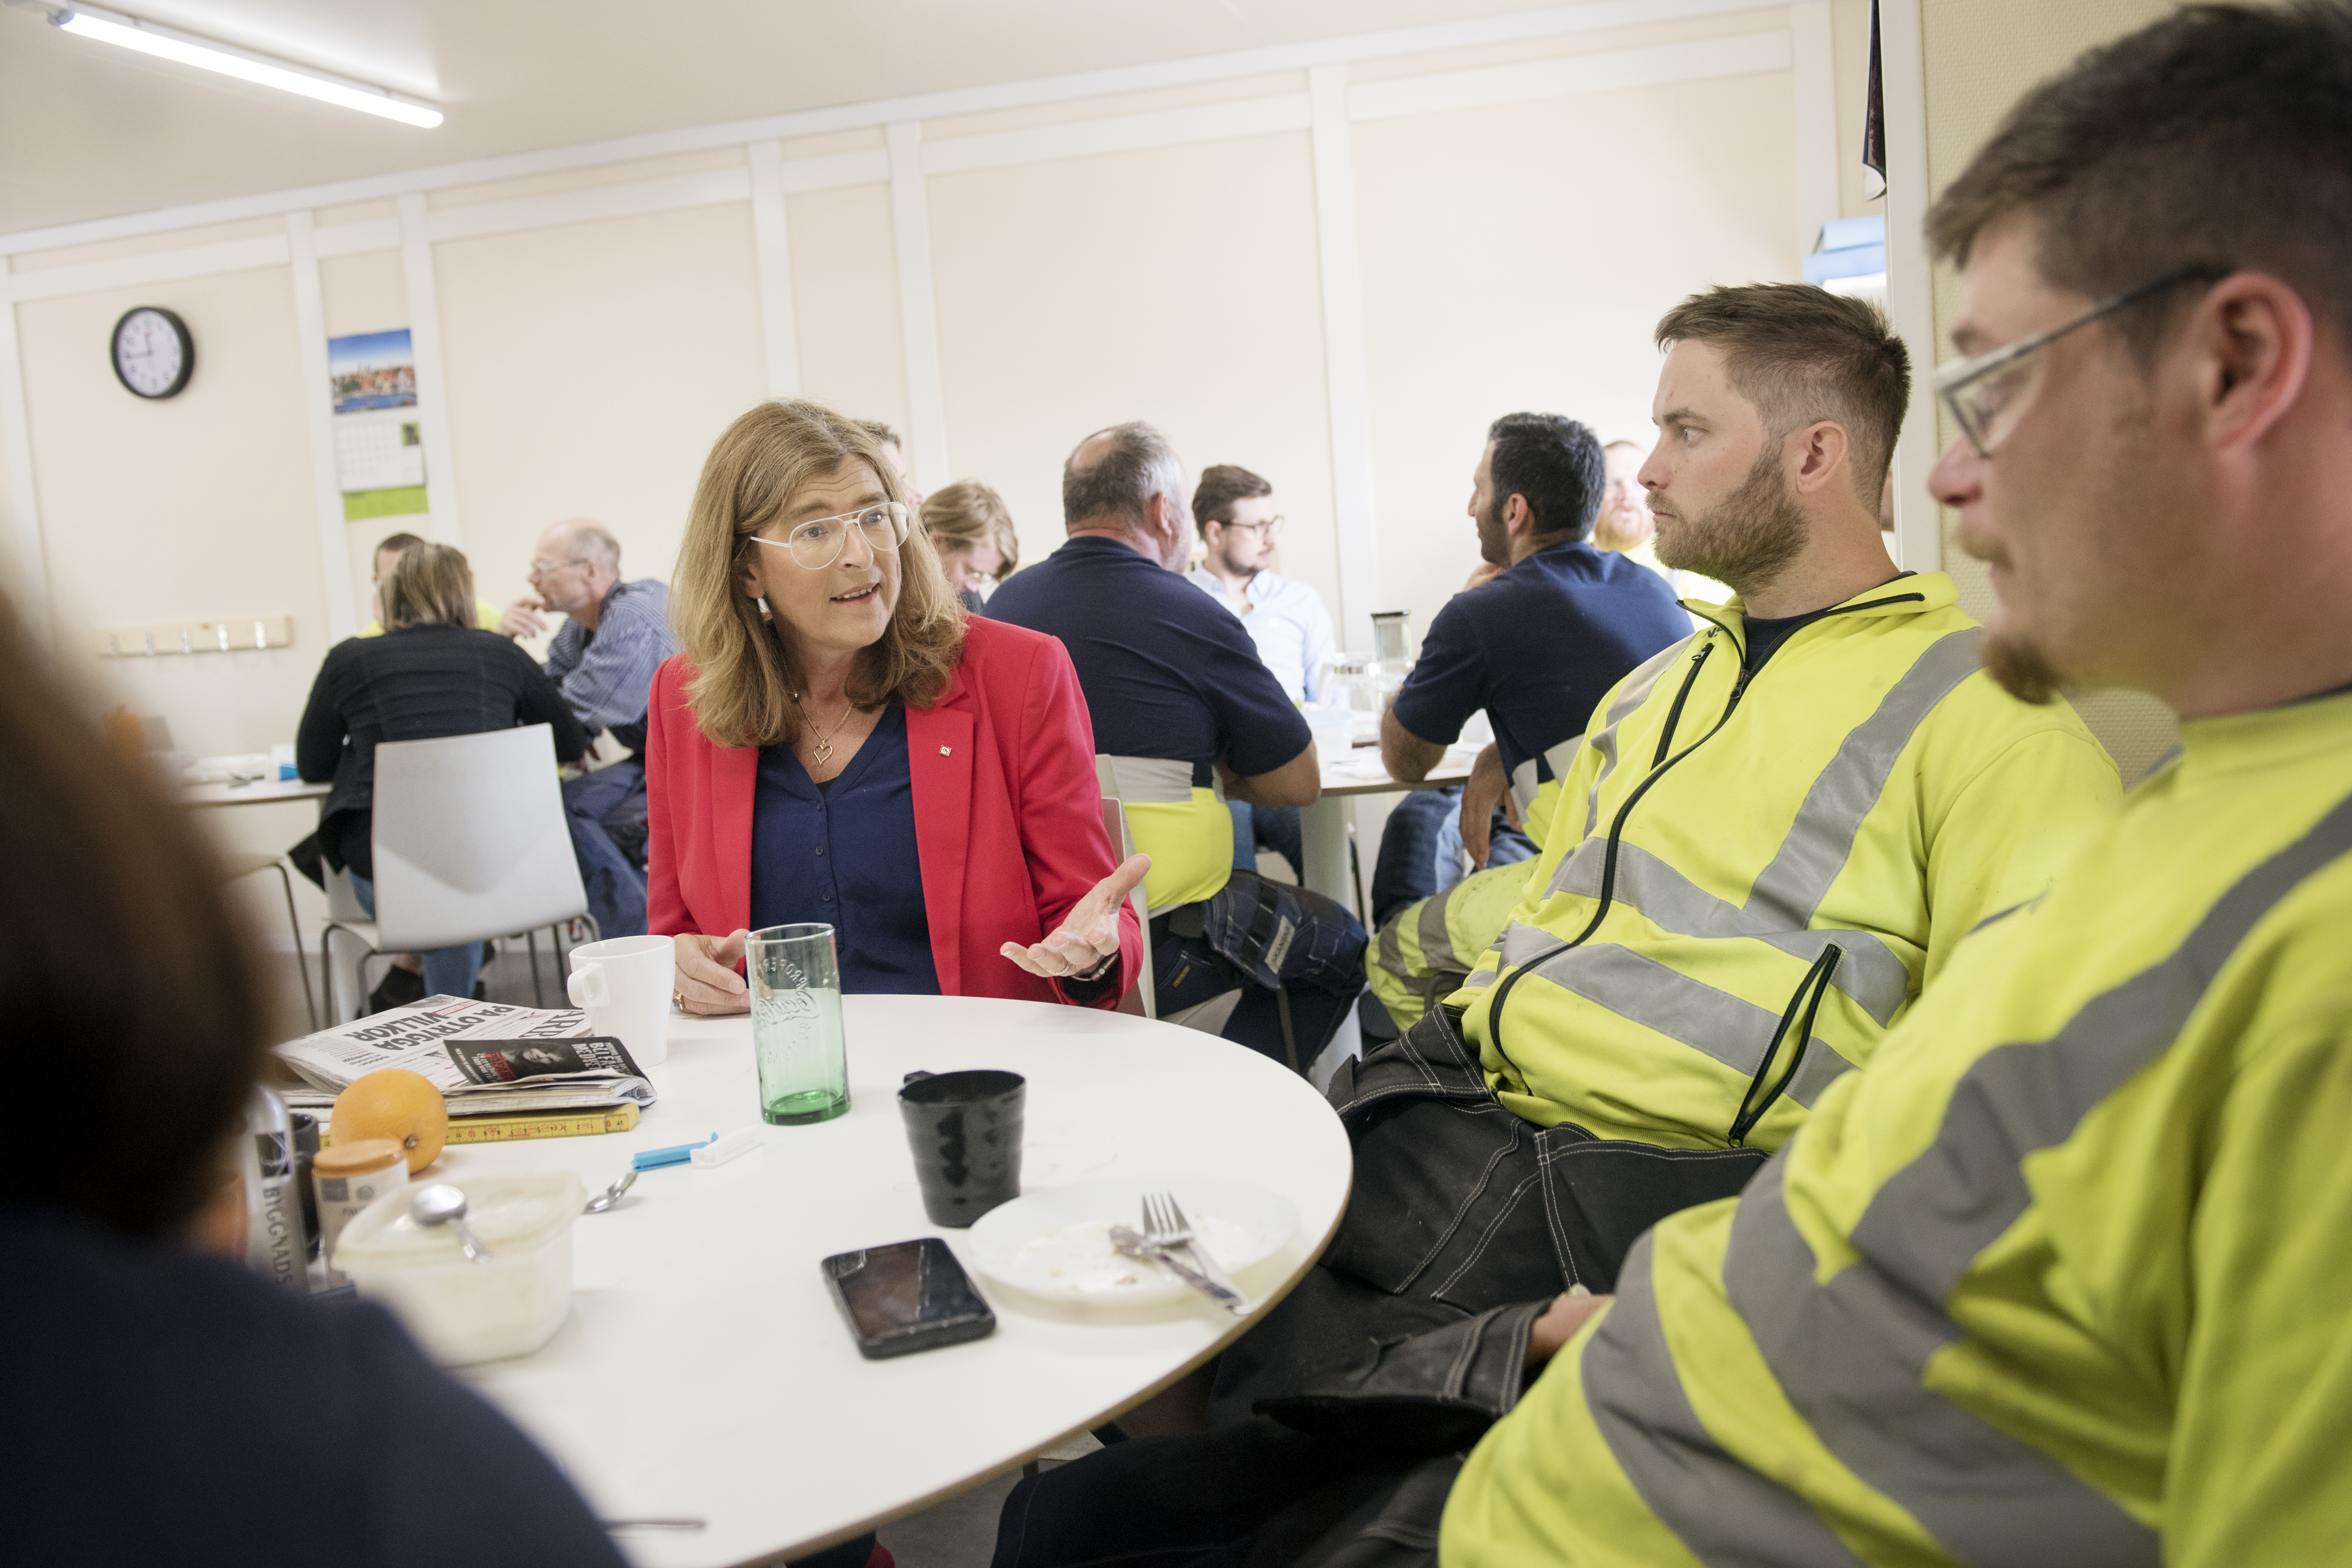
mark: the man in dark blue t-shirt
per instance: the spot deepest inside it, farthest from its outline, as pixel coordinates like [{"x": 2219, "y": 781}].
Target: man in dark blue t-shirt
[
  {"x": 1180, "y": 703},
  {"x": 1552, "y": 626}
]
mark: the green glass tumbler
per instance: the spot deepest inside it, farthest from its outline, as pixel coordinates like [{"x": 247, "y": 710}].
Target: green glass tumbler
[{"x": 796, "y": 1024}]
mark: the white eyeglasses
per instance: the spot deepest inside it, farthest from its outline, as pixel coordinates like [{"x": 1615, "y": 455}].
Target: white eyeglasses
[
  {"x": 818, "y": 542},
  {"x": 1984, "y": 394}
]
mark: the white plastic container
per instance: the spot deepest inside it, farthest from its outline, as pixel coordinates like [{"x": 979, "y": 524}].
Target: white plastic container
[{"x": 465, "y": 1312}]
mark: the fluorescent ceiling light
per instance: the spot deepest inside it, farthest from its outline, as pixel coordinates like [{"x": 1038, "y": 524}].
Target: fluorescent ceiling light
[{"x": 131, "y": 33}]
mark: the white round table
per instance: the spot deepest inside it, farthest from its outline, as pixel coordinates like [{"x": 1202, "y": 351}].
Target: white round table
[{"x": 705, "y": 1372}]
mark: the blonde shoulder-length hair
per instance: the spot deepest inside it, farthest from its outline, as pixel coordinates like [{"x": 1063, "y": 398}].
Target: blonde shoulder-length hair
[
  {"x": 429, "y": 585},
  {"x": 746, "y": 673}
]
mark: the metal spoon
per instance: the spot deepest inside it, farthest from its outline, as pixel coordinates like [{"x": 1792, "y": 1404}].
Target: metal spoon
[
  {"x": 442, "y": 1203},
  {"x": 611, "y": 1195}
]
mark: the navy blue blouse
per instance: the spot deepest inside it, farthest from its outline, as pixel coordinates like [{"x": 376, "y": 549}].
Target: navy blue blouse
[{"x": 843, "y": 854}]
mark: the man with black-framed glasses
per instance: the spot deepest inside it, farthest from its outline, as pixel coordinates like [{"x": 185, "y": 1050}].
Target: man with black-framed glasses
[{"x": 1234, "y": 511}]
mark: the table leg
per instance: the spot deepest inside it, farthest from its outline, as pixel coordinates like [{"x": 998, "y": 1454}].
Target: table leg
[{"x": 1323, "y": 834}]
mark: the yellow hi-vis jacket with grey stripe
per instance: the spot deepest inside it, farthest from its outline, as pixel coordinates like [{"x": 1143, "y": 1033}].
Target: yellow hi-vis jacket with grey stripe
[
  {"x": 2062, "y": 1278},
  {"x": 1772, "y": 863}
]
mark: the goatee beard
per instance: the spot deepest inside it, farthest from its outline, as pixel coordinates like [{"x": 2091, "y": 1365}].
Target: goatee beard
[
  {"x": 1746, "y": 539},
  {"x": 2021, "y": 670}
]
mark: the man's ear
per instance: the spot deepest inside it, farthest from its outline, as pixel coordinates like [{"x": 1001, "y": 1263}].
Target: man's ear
[
  {"x": 2252, "y": 341},
  {"x": 1819, "y": 452},
  {"x": 1518, "y": 517}
]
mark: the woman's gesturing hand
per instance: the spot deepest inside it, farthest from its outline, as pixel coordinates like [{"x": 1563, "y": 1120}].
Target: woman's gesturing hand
[
  {"x": 1090, "y": 934},
  {"x": 706, "y": 982}
]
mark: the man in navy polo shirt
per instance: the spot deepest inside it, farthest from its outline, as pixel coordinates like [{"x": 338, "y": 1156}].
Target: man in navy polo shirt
[
  {"x": 1553, "y": 626},
  {"x": 1181, "y": 703}
]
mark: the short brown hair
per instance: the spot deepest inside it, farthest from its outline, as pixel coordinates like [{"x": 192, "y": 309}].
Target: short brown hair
[
  {"x": 1800, "y": 355},
  {"x": 1222, "y": 484},
  {"x": 968, "y": 513},
  {"x": 881, "y": 432},
  {"x": 2219, "y": 137},
  {"x": 430, "y": 585},
  {"x": 397, "y": 542},
  {"x": 154, "y": 1074},
  {"x": 745, "y": 674}
]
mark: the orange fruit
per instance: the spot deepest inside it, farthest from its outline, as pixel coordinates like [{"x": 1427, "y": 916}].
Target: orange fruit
[{"x": 395, "y": 1103}]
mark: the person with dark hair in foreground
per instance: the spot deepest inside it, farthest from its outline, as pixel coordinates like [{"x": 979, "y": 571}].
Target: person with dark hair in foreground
[
  {"x": 166, "y": 1406},
  {"x": 1553, "y": 623},
  {"x": 2060, "y": 1277}
]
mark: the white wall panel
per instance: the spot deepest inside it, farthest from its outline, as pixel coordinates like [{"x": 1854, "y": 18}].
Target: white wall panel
[
  {"x": 1177, "y": 286},
  {"x": 590, "y": 368}
]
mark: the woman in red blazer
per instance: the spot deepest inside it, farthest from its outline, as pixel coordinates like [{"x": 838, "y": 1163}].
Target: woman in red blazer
[{"x": 838, "y": 742}]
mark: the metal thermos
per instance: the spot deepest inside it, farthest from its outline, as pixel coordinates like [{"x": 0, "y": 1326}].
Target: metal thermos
[{"x": 275, "y": 1246}]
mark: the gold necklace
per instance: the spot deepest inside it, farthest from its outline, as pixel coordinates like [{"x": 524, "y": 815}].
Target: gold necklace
[{"x": 821, "y": 747}]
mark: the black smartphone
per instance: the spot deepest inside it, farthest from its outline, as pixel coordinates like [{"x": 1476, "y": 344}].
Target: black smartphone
[{"x": 908, "y": 1296}]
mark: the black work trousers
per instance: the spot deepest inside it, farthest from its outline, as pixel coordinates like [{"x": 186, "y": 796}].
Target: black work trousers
[{"x": 1259, "y": 1495}]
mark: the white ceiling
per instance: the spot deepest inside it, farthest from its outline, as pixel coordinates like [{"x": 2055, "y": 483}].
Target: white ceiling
[{"x": 88, "y": 130}]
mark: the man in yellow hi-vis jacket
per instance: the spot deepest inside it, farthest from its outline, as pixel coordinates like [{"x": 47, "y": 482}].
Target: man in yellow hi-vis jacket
[{"x": 1775, "y": 833}]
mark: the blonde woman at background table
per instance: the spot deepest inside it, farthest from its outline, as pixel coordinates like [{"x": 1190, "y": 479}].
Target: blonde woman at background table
[{"x": 840, "y": 744}]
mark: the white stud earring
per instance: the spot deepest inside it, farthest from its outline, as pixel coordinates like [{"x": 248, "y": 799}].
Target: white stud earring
[{"x": 765, "y": 614}]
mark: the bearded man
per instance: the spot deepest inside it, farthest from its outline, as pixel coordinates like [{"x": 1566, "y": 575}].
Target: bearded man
[{"x": 1772, "y": 836}]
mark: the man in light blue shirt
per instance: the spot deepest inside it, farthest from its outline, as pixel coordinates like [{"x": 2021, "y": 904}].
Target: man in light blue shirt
[
  {"x": 614, "y": 636},
  {"x": 1285, "y": 619},
  {"x": 1284, "y": 616}
]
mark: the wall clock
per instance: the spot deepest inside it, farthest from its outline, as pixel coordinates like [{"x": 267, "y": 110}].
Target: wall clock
[{"x": 153, "y": 355}]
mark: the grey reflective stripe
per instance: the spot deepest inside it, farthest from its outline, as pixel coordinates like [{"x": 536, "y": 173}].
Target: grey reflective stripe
[
  {"x": 1726, "y": 1514},
  {"x": 1392, "y": 949},
  {"x": 1731, "y": 1029},
  {"x": 1148, "y": 781},
  {"x": 1871, "y": 974},
  {"x": 1521, "y": 942},
  {"x": 1788, "y": 892},
  {"x": 1988, "y": 1497},
  {"x": 1436, "y": 941},
  {"x": 1821, "y": 840},
  {"x": 1851, "y": 1355},
  {"x": 1557, "y": 760},
  {"x": 1638, "y": 686}
]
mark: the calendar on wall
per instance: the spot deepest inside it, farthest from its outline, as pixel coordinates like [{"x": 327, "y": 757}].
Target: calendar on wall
[{"x": 379, "y": 440}]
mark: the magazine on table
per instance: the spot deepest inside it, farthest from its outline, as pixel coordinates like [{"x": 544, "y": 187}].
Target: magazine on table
[{"x": 487, "y": 1058}]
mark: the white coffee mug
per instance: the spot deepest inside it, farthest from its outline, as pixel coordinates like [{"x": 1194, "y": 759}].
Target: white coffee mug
[{"x": 625, "y": 984}]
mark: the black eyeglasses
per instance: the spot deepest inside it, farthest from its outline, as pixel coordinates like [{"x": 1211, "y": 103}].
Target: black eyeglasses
[
  {"x": 1273, "y": 526},
  {"x": 1979, "y": 390}
]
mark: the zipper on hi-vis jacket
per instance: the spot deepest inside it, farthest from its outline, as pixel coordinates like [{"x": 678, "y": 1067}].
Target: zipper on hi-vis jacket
[
  {"x": 1809, "y": 990},
  {"x": 1660, "y": 763}
]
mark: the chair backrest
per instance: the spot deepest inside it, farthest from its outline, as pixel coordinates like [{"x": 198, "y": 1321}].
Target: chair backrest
[
  {"x": 470, "y": 839},
  {"x": 1138, "y": 999}
]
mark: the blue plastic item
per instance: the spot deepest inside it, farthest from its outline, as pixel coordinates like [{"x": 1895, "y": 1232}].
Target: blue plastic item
[{"x": 679, "y": 1154}]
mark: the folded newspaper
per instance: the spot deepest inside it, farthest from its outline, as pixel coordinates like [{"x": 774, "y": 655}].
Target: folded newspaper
[{"x": 487, "y": 1058}]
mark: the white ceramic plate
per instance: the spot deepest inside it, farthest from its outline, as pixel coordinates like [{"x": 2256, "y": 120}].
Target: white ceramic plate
[{"x": 1056, "y": 1242}]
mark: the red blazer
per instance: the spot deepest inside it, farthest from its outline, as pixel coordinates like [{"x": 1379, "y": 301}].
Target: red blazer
[{"x": 1008, "y": 815}]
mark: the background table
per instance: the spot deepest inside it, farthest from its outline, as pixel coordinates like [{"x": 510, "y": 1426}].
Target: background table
[
  {"x": 703, "y": 1370},
  {"x": 261, "y": 792}
]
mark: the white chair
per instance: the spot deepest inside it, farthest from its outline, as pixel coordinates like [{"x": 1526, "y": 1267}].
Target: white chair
[
  {"x": 1139, "y": 999},
  {"x": 470, "y": 844}
]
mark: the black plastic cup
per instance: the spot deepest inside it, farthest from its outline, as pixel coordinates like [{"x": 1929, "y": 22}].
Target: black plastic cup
[{"x": 965, "y": 1127}]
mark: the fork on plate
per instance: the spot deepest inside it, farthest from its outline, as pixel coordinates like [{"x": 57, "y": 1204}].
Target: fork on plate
[{"x": 1165, "y": 1226}]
